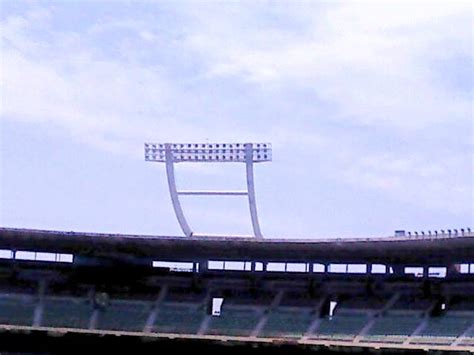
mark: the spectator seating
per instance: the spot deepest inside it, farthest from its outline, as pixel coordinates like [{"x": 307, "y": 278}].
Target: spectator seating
[
  {"x": 172, "y": 318},
  {"x": 341, "y": 326},
  {"x": 286, "y": 322},
  {"x": 66, "y": 312},
  {"x": 124, "y": 315},
  {"x": 239, "y": 322},
  {"x": 17, "y": 310}
]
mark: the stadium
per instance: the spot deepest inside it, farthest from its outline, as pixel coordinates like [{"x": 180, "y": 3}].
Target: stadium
[
  {"x": 60, "y": 290},
  {"x": 76, "y": 292}
]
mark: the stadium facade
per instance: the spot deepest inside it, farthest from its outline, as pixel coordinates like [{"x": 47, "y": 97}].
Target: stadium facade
[{"x": 392, "y": 294}]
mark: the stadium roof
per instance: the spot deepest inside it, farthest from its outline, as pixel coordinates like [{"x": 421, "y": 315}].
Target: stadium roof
[{"x": 419, "y": 250}]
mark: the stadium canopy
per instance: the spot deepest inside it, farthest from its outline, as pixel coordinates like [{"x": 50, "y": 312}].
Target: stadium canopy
[{"x": 421, "y": 250}]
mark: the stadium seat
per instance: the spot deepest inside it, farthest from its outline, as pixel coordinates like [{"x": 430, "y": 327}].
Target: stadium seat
[
  {"x": 124, "y": 315},
  {"x": 393, "y": 327},
  {"x": 470, "y": 333},
  {"x": 66, "y": 312},
  {"x": 341, "y": 327},
  {"x": 409, "y": 304},
  {"x": 238, "y": 322},
  {"x": 250, "y": 299},
  {"x": 361, "y": 303},
  {"x": 283, "y": 322},
  {"x": 447, "y": 325},
  {"x": 179, "y": 319},
  {"x": 462, "y": 304},
  {"x": 299, "y": 298},
  {"x": 468, "y": 338},
  {"x": 184, "y": 295},
  {"x": 17, "y": 310}
]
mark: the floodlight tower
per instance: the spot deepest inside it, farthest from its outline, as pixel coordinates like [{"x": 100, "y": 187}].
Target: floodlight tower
[{"x": 248, "y": 153}]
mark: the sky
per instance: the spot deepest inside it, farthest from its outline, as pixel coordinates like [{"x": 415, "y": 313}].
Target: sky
[{"x": 368, "y": 105}]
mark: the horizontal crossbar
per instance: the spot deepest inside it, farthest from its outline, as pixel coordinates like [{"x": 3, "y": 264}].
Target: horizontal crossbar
[
  {"x": 214, "y": 193},
  {"x": 226, "y": 236}
]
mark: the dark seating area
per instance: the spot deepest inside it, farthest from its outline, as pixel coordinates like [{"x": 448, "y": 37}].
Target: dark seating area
[
  {"x": 447, "y": 325},
  {"x": 342, "y": 327},
  {"x": 67, "y": 312},
  {"x": 238, "y": 322},
  {"x": 17, "y": 310},
  {"x": 185, "y": 295},
  {"x": 412, "y": 303},
  {"x": 361, "y": 303},
  {"x": 299, "y": 298},
  {"x": 287, "y": 323},
  {"x": 395, "y": 325},
  {"x": 461, "y": 303},
  {"x": 124, "y": 315},
  {"x": 178, "y": 319},
  {"x": 247, "y": 297}
]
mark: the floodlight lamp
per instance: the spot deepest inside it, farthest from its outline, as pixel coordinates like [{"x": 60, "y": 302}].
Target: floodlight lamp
[{"x": 208, "y": 152}]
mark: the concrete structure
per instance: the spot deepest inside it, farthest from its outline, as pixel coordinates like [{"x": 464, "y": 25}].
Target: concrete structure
[
  {"x": 397, "y": 252},
  {"x": 152, "y": 288}
]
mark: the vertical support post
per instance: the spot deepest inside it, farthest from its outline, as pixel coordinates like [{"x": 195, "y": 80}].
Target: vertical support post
[
  {"x": 174, "y": 193},
  {"x": 38, "y": 312},
  {"x": 453, "y": 270},
  {"x": 425, "y": 273},
  {"x": 251, "y": 190},
  {"x": 203, "y": 265}
]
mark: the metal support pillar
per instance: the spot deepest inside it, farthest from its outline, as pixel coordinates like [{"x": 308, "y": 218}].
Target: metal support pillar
[
  {"x": 174, "y": 193},
  {"x": 251, "y": 190}
]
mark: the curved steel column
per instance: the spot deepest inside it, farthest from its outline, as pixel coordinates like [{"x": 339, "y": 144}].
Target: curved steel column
[
  {"x": 251, "y": 190},
  {"x": 174, "y": 193}
]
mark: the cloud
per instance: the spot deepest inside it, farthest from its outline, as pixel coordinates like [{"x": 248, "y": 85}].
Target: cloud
[
  {"x": 309, "y": 77},
  {"x": 368, "y": 60},
  {"x": 414, "y": 179}
]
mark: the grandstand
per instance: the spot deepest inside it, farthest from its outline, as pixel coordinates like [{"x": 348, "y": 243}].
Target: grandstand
[{"x": 396, "y": 293}]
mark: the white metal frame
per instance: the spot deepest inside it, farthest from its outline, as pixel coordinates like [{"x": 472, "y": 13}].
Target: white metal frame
[{"x": 248, "y": 153}]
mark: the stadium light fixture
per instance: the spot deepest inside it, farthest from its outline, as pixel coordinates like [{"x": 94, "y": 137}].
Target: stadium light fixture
[
  {"x": 248, "y": 153},
  {"x": 205, "y": 152}
]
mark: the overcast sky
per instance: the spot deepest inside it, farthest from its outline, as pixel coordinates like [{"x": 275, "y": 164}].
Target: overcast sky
[{"x": 368, "y": 106}]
